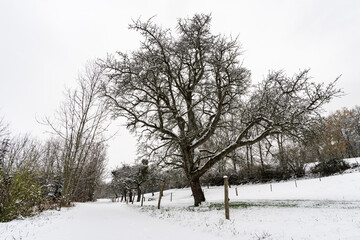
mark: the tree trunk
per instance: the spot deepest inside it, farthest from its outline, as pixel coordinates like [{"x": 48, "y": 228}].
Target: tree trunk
[
  {"x": 130, "y": 196},
  {"x": 161, "y": 193},
  {"x": 261, "y": 157},
  {"x": 234, "y": 163},
  {"x": 197, "y": 192},
  {"x": 247, "y": 162},
  {"x": 138, "y": 194},
  {"x": 125, "y": 195},
  {"x": 251, "y": 162}
]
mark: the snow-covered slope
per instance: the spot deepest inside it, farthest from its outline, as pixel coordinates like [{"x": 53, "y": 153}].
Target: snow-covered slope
[
  {"x": 316, "y": 209},
  {"x": 339, "y": 187}
]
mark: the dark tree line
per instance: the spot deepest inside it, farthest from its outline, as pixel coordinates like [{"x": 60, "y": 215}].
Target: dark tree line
[{"x": 326, "y": 141}]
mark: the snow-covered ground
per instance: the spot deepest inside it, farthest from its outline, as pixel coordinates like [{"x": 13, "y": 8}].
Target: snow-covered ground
[
  {"x": 102, "y": 220},
  {"x": 326, "y": 209}
]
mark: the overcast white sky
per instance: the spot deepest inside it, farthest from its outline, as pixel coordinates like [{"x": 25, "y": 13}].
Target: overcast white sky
[{"x": 45, "y": 44}]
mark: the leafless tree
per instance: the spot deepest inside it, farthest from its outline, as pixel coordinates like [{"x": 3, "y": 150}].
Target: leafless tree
[
  {"x": 4, "y": 141},
  {"x": 80, "y": 124},
  {"x": 4, "y": 128},
  {"x": 179, "y": 91}
]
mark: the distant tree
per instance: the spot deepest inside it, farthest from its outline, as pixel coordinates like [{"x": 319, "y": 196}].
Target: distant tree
[
  {"x": 180, "y": 91},
  {"x": 341, "y": 135},
  {"x": 117, "y": 187},
  {"x": 131, "y": 177},
  {"x": 92, "y": 175},
  {"x": 50, "y": 170},
  {"x": 4, "y": 142},
  {"x": 4, "y": 129}
]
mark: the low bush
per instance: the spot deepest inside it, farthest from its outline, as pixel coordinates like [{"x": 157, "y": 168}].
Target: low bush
[
  {"x": 20, "y": 195},
  {"x": 328, "y": 167}
]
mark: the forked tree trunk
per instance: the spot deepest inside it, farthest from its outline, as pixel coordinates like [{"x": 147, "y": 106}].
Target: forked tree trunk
[{"x": 197, "y": 192}]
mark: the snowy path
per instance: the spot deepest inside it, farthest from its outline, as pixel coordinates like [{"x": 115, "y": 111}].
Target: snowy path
[{"x": 101, "y": 221}]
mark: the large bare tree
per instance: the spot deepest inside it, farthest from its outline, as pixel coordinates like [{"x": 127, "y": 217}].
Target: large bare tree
[{"x": 182, "y": 90}]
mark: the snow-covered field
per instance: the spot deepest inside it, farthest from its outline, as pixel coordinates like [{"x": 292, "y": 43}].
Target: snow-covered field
[{"x": 326, "y": 209}]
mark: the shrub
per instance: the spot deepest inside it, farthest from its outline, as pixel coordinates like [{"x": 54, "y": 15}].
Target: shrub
[
  {"x": 328, "y": 167},
  {"x": 20, "y": 194}
]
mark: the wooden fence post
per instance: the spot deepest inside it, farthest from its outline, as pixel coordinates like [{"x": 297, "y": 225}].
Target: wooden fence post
[
  {"x": 171, "y": 197},
  {"x": 270, "y": 187},
  {"x": 236, "y": 191},
  {"x": 226, "y": 188},
  {"x": 142, "y": 199}
]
